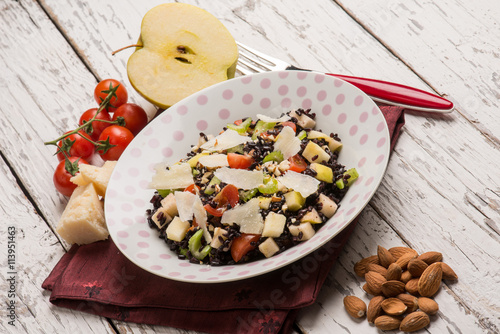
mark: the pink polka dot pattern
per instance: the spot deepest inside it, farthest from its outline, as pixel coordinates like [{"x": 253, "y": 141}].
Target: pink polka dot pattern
[
  {"x": 339, "y": 109},
  {"x": 178, "y": 135},
  {"x": 167, "y": 152},
  {"x": 201, "y": 125},
  {"x": 247, "y": 98},
  {"x": 340, "y": 99},
  {"x": 283, "y": 90},
  {"x": 202, "y": 100},
  {"x": 327, "y": 109},
  {"x": 265, "y": 103},
  {"x": 265, "y": 83},
  {"x": 224, "y": 114},
  {"x": 227, "y": 94},
  {"x": 182, "y": 110}
]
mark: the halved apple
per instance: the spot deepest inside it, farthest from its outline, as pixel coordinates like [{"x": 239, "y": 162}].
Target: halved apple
[{"x": 184, "y": 49}]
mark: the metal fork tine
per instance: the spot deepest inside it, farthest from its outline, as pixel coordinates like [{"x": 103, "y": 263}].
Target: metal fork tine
[{"x": 259, "y": 59}]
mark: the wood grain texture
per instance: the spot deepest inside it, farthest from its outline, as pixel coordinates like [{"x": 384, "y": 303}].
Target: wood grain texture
[{"x": 441, "y": 190}]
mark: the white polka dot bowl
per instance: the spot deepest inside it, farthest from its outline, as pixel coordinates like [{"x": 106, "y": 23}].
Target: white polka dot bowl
[{"x": 340, "y": 108}]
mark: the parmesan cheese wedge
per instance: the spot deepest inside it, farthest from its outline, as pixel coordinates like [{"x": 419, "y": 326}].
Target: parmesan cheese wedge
[
  {"x": 82, "y": 221},
  {"x": 240, "y": 178},
  {"x": 287, "y": 143},
  {"x": 99, "y": 176}
]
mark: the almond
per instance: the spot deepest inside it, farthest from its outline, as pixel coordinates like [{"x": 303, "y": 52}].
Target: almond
[
  {"x": 428, "y": 305},
  {"x": 393, "y": 306},
  {"x": 405, "y": 276},
  {"x": 431, "y": 257},
  {"x": 355, "y": 306},
  {"x": 387, "y": 323},
  {"x": 397, "y": 252},
  {"x": 374, "y": 281},
  {"x": 360, "y": 266},
  {"x": 374, "y": 308},
  {"x": 448, "y": 273},
  {"x": 416, "y": 267},
  {"x": 414, "y": 321},
  {"x": 409, "y": 300},
  {"x": 412, "y": 286},
  {"x": 404, "y": 259},
  {"x": 393, "y": 288},
  {"x": 430, "y": 280},
  {"x": 376, "y": 268},
  {"x": 384, "y": 256},
  {"x": 369, "y": 291},
  {"x": 394, "y": 272}
]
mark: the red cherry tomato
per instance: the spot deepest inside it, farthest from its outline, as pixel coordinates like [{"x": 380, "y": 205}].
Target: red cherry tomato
[
  {"x": 192, "y": 190},
  {"x": 62, "y": 177},
  {"x": 80, "y": 148},
  {"x": 97, "y": 126},
  {"x": 135, "y": 117},
  {"x": 290, "y": 124},
  {"x": 102, "y": 89},
  {"x": 228, "y": 195},
  {"x": 242, "y": 245},
  {"x": 297, "y": 163},
  {"x": 119, "y": 136},
  {"x": 239, "y": 161}
]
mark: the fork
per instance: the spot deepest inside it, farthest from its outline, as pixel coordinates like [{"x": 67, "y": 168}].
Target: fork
[{"x": 252, "y": 61}]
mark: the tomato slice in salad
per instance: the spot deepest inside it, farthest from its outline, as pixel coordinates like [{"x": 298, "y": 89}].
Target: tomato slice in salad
[
  {"x": 192, "y": 189},
  {"x": 297, "y": 163},
  {"x": 228, "y": 195},
  {"x": 242, "y": 245},
  {"x": 290, "y": 124},
  {"x": 239, "y": 161}
]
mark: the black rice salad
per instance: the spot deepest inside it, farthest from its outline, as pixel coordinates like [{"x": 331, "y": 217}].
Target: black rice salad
[{"x": 258, "y": 188}]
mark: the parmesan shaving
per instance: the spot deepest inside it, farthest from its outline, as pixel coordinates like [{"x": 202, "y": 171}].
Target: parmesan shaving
[
  {"x": 240, "y": 178},
  {"x": 176, "y": 177},
  {"x": 268, "y": 119},
  {"x": 214, "y": 160},
  {"x": 287, "y": 143},
  {"x": 247, "y": 216},
  {"x": 306, "y": 185},
  {"x": 224, "y": 141}
]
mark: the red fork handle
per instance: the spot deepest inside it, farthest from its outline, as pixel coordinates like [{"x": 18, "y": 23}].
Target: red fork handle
[{"x": 397, "y": 94}]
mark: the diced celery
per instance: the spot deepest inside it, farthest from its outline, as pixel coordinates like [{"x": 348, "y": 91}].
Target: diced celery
[
  {"x": 273, "y": 156},
  {"x": 302, "y": 134},
  {"x": 241, "y": 128},
  {"x": 270, "y": 186},
  {"x": 246, "y": 195},
  {"x": 353, "y": 173},
  {"x": 195, "y": 171},
  {"x": 164, "y": 192},
  {"x": 262, "y": 126},
  {"x": 236, "y": 149},
  {"x": 210, "y": 188},
  {"x": 194, "y": 245}
]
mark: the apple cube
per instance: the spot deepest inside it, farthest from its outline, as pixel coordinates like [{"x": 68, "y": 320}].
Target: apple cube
[
  {"x": 169, "y": 205},
  {"x": 269, "y": 247},
  {"x": 218, "y": 234},
  {"x": 177, "y": 229},
  {"x": 161, "y": 212},
  {"x": 311, "y": 217},
  {"x": 323, "y": 173},
  {"x": 328, "y": 206},
  {"x": 303, "y": 120},
  {"x": 264, "y": 202},
  {"x": 274, "y": 225},
  {"x": 314, "y": 153},
  {"x": 306, "y": 229}
]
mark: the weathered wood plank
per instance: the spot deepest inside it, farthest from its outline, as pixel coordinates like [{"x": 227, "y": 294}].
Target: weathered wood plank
[{"x": 36, "y": 252}]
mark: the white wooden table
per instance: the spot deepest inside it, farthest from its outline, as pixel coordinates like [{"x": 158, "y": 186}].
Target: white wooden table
[{"x": 442, "y": 187}]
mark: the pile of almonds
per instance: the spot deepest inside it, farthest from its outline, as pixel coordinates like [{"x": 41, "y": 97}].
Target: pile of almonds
[{"x": 402, "y": 283}]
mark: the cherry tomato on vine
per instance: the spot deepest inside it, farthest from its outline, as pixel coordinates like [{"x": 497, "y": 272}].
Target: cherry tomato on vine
[
  {"x": 119, "y": 136},
  {"x": 62, "y": 177},
  {"x": 97, "y": 126},
  {"x": 135, "y": 117},
  {"x": 243, "y": 244},
  {"x": 80, "y": 148},
  {"x": 102, "y": 89}
]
